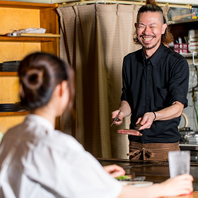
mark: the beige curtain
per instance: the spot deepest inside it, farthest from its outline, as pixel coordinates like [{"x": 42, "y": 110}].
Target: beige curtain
[{"x": 94, "y": 40}]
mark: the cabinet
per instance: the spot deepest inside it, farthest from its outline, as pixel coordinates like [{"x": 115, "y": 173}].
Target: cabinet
[
  {"x": 181, "y": 29},
  {"x": 20, "y": 15}
]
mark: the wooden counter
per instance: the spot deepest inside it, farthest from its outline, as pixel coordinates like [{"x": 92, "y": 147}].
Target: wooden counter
[
  {"x": 153, "y": 171},
  {"x": 194, "y": 195}
]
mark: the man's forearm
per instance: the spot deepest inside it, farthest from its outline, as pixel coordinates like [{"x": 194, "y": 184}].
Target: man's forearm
[
  {"x": 126, "y": 109},
  {"x": 173, "y": 111}
]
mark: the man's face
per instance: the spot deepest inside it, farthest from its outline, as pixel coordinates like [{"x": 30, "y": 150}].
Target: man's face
[{"x": 150, "y": 29}]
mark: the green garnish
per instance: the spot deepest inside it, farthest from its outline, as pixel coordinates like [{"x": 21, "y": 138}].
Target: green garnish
[{"x": 124, "y": 177}]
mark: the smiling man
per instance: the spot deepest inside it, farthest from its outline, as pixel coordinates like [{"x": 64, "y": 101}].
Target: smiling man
[
  {"x": 150, "y": 28},
  {"x": 155, "y": 86}
]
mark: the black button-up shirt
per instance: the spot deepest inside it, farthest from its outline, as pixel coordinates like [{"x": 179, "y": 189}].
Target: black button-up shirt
[{"x": 151, "y": 85}]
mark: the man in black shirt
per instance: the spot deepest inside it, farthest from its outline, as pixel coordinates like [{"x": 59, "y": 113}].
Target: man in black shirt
[{"x": 155, "y": 86}]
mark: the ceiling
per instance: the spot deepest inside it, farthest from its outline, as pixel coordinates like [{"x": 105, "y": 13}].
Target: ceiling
[{"x": 192, "y": 2}]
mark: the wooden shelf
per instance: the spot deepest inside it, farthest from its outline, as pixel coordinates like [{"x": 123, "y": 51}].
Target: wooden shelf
[
  {"x": 188, "y": 55},
  {"x": 17, "y": 113},
  {"x": 27, "y": 39},
  {"x": 181, "y": 28},
  {"x": 8, "y": 73},
  {"x": 182, "y": 21},
  {"x": 26, "y": 5},
  {"x": 17, "y": 15}
]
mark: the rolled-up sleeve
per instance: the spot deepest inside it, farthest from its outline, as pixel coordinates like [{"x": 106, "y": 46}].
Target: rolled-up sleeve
[{"x": 178, "y": 84}]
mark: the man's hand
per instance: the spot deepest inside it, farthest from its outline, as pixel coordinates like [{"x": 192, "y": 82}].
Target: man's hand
[
  {"x": 125, "y": 111},
  {"x": 146, "y": 121},
  {"x": 114, "y": 170},
  {"x": 120, "y": 117},
  {"x": 167, "y": 113}
]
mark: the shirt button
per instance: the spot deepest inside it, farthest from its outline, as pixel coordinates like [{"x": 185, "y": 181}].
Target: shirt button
[
  {"x": 148, "y": 82},
  {"x": 148, "y": 67}
]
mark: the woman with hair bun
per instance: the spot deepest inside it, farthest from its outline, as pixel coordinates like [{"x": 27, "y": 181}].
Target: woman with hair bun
[{"x": 38, "y": 161}]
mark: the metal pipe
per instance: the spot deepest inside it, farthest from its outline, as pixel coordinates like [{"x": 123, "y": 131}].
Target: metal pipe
[{"x": 84, "y": 2}]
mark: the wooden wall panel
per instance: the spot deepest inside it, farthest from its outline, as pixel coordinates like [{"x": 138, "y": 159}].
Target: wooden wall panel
[
  {"x": 9, "y": 121},
  {"x": 15, "y": 18},
  {"x": 9, "y": 90},
  {"x": 49, "y": 21},
  {"x": 16, "y": 50}
]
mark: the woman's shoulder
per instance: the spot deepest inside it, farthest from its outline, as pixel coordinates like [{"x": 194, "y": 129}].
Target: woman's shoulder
[
  {"x": 42, "y": 137},
  {"x": 61, "y": 141}
]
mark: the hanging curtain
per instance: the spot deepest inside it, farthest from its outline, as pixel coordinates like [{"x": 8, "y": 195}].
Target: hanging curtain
[{"x": 94, "y": 40}]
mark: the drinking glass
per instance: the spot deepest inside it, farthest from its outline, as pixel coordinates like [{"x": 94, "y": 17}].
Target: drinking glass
[{"x": 179, "y": 162}]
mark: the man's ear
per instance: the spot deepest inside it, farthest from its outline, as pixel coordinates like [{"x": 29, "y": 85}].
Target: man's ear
[{"x": 164, "y": 27}]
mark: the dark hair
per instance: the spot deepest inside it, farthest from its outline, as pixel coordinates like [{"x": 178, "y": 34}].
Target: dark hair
[
  {"x": 39, "y": 74},
  {"x": 151, "y": 6}
]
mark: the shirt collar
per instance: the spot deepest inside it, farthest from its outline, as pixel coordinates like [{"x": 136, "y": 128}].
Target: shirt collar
[
  {"x": 40, "y": 120},
  {"x": 156, "y": 56}
]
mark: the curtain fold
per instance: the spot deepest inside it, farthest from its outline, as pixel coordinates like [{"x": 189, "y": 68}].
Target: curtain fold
[{"x": 94, "y": 40}]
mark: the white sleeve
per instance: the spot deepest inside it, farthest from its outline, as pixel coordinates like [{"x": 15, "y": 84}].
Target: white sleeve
[
  {"x": 73, "y": 173},
  {"x": 92, "y": 180}
]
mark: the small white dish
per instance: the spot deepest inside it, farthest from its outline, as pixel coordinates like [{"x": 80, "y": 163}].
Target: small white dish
[{"x": 137, "y": 183}]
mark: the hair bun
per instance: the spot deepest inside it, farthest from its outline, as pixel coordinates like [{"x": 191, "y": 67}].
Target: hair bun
[
  {"x": 151, "y": 2},
  {"x": 33, "y": 78}
]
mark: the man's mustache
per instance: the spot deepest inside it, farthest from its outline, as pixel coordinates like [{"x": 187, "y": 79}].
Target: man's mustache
[{"x": 147, "y": 35}]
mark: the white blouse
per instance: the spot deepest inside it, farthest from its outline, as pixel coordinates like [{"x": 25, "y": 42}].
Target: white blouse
[{"x": 37, "y": 161}]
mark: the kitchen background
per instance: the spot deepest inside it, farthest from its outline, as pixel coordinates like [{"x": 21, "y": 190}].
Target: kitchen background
[{"x": 97, "y": 58}]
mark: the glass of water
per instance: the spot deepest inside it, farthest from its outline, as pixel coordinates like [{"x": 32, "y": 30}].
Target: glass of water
[{"x": 179, "y": 162}]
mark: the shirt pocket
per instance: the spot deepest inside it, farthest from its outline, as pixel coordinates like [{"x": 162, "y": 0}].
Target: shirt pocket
[{"x": 161, "y": 101}]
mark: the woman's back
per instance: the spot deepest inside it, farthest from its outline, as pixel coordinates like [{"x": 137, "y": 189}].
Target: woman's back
[{"x": 43, "y": 163}]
